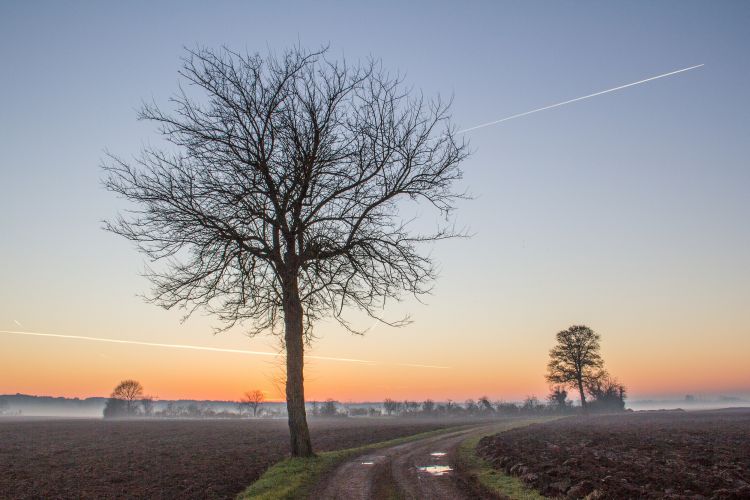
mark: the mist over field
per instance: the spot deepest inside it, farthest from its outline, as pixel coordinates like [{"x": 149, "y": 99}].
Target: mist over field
[{"x": 44, "y": 406}]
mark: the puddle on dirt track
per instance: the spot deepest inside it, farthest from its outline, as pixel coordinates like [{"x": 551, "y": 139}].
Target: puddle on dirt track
[
  {"x": 435, "y": 470},
  {"x": 368, "y": 463},
  {"x": 438, "y": 454}
]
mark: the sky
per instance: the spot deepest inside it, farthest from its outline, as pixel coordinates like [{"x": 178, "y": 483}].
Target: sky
[{"x": 626, "y": 212}]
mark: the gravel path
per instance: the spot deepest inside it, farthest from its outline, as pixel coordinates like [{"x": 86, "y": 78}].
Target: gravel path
[{"x": 419, "y": 469}]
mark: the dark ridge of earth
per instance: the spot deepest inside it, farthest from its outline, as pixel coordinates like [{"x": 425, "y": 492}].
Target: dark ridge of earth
[{"x": 702, "y": 454}]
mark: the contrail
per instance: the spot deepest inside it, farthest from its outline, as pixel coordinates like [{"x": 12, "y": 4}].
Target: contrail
[
  {"x": 495, "y": 122},
  {"x": 420, "y": 366},
  {"x": 18, "y": 323},
  {"x": 204, "y": 348}
]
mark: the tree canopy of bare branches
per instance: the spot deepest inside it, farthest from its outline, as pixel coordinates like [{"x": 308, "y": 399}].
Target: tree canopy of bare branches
[
  {"x": 129, "y": 392},
  {"x": 575, "y": 359},
  {"x": 278, "y": 198},
  {"x": 254, "y": 399}
]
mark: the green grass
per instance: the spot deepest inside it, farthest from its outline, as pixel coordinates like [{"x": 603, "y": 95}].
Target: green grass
[
  {"x": 489, "y": 478},
  {"x": 294, "y": 478}
]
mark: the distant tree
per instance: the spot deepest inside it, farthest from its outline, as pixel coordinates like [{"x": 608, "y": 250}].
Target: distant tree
[
  {"x": 242, "y": 407},
  {"x": 485, "y": 404},
  {"x": 428, "y": 406},
  {"x": 607, "y": 393},
  {"x": 530, "y": 404},
  {"x": 207, "y": 411},
  {"x": 390, "y": 406},
  {"x": 506, "y": 407},
  {"x": 280, "y": 199},
  {"x": 315, "y": 408},
  {"x": 411, "y": 406},
  {"x": 471, "y": 406},
  {"x": 575, "y": 359},
  {"x": 115, "y": 408},
  {"x": 558, "y": 397},
  {"x": 147, "y": 402},
  {"x": 193, "y": 410},
  {"x": 129, "y": 392},
  {"x": 451, "y": 407},
  {"x": 254, "y": 400},
  {"x": 328, "y": 409},
  {"x": 171, "y": 410},
  {"x": 4, "y": 406}
]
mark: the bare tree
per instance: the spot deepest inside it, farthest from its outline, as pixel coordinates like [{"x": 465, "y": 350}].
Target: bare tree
[
  {"x": 254, "y": 399},
  {"x": 329, "y": 408},
  {"x": 148, "y": 405},
  {"x": 130, "y": 392},
  {"x": 485, "y": 404},
  {"x": 531, "y": 404},
  {"x": 558, "y": 397},
  {"x": 575, "y": 359},
  {"x": 451, "y": 407},
  {"x": 241, "y": 406},
  {"x": 390, "y": 406},
  {"x": 410, "y": 406},
  {"x": 280, "y": 199}
]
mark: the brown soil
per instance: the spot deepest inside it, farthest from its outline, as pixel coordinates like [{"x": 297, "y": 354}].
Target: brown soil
[
  {"x": 163, "y": 458},
  {"x": 636, "y": 455}
]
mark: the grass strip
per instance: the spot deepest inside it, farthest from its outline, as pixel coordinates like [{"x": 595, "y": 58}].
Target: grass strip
[
  {"x": 486, "y": 477},
  {"x": 294, "y": 478}
]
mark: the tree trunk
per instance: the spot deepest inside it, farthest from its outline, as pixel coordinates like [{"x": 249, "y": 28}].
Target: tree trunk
[
  {"x": 582, "y": 393},
  {"x": 295, "y": 389}
]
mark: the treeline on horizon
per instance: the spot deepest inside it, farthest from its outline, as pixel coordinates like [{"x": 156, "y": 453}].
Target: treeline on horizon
[
  {"x": 128, "y": 400},
  {"x": 481, "y": 407}
]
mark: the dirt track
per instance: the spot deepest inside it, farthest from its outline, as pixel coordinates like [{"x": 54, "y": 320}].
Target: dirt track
[{"x": 410, "y": 470}]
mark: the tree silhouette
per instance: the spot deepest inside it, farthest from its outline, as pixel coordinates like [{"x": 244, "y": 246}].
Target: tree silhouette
[
  {"x": 130, "y": 393},
  {"x": 607, "y": 392},
  {"x": 254, "y": 399},
  {"x": 485, "y": 404},
  {"x": 575, "y": 359},
  {"x": 558, "y": 397},
  {"x": 280, "y": 197}
]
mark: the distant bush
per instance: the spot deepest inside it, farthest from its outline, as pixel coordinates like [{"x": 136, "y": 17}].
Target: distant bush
[
  {"x": 115, "y": 408},
  {"x": 607, "y": 394}
]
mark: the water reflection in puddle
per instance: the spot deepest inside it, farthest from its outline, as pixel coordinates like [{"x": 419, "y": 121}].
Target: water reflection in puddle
[
  {"x": 368, "y": 463},
  {"x": 438, "y": 454},
  {"x": 435, "y": 470}
]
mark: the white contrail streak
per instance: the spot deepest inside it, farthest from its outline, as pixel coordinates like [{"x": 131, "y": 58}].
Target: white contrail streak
[
  {"x": 420, "y": 366},
  {"x": 202, "y": 348},
  {"x": 495, "y": 122},
  {"x": 18, "y": 323}
]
